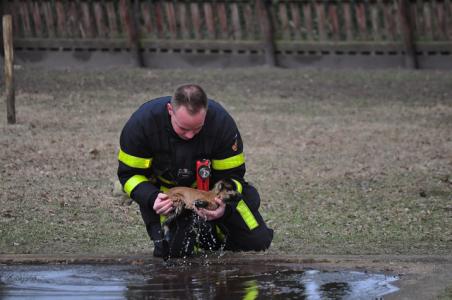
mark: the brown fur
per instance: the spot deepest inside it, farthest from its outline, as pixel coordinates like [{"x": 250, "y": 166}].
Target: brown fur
[{"x": 189, "y": 198}]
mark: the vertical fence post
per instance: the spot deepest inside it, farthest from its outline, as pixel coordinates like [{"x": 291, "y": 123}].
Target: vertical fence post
[
  {"x": 408, "y": 36},
  {"x": 9, "y": 72},
  {"x": 130, "y": 15},
  {"x": 136, "y": 33},
  {"x": 1, "y": 26},
  {"x": 266, "y": 25},
  {"x": 2, "y": 12}
]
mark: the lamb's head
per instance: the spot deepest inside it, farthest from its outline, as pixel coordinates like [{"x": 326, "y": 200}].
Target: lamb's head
[{"x": 225, "y": 190}]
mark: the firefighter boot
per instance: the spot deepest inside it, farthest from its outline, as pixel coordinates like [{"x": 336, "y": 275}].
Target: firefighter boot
[{"x": 161, "y": 248}]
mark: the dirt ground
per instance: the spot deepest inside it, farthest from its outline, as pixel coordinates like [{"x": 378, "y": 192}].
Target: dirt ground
[{"x": 347, "y": 162}]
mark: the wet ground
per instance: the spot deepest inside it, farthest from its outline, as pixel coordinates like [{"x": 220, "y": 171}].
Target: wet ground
[{"x": 189, "y": 280}]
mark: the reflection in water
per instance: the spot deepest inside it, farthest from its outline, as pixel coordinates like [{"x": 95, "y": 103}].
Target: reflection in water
[
  {"x": 251, "y": 290},
  {"x": 334, "y": 290},
  {"x": 188, "y": 280}
]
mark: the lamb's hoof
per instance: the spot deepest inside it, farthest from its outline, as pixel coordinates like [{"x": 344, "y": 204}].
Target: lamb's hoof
[{"x": 201, "y": 204}]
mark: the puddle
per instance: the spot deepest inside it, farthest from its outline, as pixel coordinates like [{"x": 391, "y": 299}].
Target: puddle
[{"x": 188, "y": 280}]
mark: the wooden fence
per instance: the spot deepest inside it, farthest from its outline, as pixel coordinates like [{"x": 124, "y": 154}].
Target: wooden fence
[
  {"x": 360, "y": 20},
  {"x": 221, "y": 24}
]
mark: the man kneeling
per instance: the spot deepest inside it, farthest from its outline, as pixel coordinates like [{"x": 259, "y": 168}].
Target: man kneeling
[{"x": 159, "y": 147}]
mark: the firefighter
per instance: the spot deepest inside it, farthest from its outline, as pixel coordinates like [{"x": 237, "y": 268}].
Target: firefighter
[{"x": 160, "y": 146}]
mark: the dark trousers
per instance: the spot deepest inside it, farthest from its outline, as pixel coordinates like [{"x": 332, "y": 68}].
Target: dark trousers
[{"x": 188, "y": 231}]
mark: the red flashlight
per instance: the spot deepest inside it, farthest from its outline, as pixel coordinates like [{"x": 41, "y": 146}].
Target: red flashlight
[{"x": 203, "y": 174}]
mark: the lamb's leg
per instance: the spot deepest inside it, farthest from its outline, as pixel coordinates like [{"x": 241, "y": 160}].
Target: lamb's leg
[{"x": 170, "y": 219}]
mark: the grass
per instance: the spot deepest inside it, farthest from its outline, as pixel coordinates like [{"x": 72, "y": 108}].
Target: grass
[
  {"x": 446, "y": 294},
  {"x": 347, "y": 162}
]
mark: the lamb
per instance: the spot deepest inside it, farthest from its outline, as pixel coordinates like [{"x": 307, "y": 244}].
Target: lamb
[{"x": 189, "y": 198}]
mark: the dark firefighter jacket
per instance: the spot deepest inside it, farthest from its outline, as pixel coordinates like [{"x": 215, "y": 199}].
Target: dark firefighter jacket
[{"x": 153, "y": 158}]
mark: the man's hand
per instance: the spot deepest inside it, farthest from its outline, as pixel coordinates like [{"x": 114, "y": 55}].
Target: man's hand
[
  {"x": 163, "y": 204},
  {"x": 210, "y": 215}
]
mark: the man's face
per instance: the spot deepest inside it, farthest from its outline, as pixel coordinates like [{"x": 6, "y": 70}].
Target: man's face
[{"x": 184, "y": 124}]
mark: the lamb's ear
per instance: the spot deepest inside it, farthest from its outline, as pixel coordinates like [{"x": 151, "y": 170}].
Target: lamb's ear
[
  {"x": 218, "y": 187},
  {"x": 221, "y": 185},
  {"x": 230, "y": 184}
]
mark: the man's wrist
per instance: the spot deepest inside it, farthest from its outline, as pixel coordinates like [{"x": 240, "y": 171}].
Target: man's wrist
[{"x": 227, "y": 213}]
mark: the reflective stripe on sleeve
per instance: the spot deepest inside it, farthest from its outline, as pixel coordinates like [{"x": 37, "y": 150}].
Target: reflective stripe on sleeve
[
  {"x": 247, "y": 215},
  {"x": 134, "y": 161},
  {"x": 133, "y": 182},
  {"x": 238, "y": 185},
  {"x": 228, "y": 163}
]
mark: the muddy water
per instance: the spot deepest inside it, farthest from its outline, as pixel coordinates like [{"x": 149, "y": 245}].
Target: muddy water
[{"x": 188, "y": 280}]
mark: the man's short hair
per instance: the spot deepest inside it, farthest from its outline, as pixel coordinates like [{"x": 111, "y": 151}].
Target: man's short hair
[{"x": 191, "y": 96}]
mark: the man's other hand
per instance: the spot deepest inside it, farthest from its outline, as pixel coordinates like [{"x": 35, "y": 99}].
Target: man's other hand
[{"x": 210, "y": 215}]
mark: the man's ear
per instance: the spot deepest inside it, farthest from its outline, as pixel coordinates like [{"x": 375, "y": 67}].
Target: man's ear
[{"x": 169, "y": 107}]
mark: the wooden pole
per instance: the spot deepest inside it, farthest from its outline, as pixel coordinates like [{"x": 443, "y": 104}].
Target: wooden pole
[
  {"x": 9, "y": 72},
  {"x": 408, "y": 36},
  {"x": 130, "y": 16},
  {"x": 2, "y": 12},
  {"x": 266, "y": 25},
  {"x": 135, "y": 37}
]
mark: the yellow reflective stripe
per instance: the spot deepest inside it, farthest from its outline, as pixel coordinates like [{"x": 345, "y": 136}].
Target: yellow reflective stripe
[
  {"x": 228, "y": 163},
  {"x": 238, "y": 185},
  {"x": 247, "y": 215},
  {"x": 166, "y": 181},
  {"x": 220, "y": 233},
  {"x": 251, "y": 290},
  {"x": 162, "y": 219},
  {"x": 134, "y": 161},
  {"x": 133, "y": 182}
]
